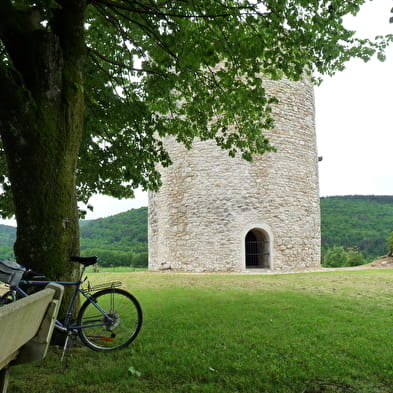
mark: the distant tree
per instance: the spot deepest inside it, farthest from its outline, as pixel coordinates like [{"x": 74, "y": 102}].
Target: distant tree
[
  {"x": 140, "y": 260},
  {"x": 390, "y": 244},
  {"x": 86, "y": 86},
  {"x": 111, "y": 257},
  {"x": 6, "y": 252}
]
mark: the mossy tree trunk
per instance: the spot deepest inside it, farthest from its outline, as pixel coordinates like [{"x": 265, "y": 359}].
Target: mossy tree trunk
[{"x": 41, "y": 124}]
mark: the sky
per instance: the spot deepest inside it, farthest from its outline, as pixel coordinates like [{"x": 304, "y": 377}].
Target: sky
[
  {"x": 354, "y": 117},
  {"x": 353, "y": 121}
]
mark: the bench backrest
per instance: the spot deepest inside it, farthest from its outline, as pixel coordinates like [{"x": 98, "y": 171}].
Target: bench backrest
[{"x": 26, "y": 326}]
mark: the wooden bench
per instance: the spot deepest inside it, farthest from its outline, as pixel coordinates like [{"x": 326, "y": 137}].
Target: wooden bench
[{"x": 26, "y": 328}]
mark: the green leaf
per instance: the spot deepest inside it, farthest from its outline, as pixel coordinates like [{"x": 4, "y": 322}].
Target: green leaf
[{"x": 134, "y": 372}]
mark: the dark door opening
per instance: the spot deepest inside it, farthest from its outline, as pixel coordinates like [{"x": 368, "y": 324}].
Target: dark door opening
[{"x": 257, "y": 249}]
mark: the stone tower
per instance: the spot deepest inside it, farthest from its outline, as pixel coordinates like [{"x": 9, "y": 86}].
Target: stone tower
[{"x": 219, "y": 214}]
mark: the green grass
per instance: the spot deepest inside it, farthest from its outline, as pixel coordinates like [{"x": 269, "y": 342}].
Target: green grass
[{"x": 286, "y": 333}]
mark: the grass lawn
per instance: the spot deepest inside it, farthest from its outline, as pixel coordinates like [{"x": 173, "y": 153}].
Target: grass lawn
[{"x": 329, "y": 332}]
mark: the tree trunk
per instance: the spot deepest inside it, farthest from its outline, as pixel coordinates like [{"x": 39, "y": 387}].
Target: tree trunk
[{"x": 41, "y": 124}]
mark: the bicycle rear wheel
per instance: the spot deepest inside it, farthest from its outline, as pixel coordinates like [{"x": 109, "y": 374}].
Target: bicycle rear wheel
[{"x": 115, "y": 329}]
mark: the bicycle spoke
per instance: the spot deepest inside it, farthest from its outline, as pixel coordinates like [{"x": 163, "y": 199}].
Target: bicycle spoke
[
  {"x": 116, "y": 327},
  {"x": 102, "y": 338}
]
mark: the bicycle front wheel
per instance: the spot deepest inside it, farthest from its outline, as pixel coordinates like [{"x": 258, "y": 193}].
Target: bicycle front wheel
[{"x": 110, "y": 319}]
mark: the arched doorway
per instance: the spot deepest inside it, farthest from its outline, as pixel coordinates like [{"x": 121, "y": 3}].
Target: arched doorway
[{"x": 257, "y": 249}]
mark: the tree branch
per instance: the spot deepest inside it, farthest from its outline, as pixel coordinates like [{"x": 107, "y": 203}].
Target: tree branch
[
  {"x": 157, "y": 12},
  {"x": 119, "y": 64},
  {"x": 151, "y": 33}
]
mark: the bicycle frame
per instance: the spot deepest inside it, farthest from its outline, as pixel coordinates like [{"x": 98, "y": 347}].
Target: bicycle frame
[
  {"x": 98, "y": 319},
  {"x": 66, "y": 325}
]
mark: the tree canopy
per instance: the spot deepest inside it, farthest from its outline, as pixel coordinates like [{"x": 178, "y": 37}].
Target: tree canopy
[{"x": 186, "y": 68}]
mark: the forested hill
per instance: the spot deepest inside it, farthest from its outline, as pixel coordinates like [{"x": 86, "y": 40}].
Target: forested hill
[
  {"x": 124, "y": 232},
  {"x": 359, "y": 221},
  {"x": 118, "y": 240},
  {"x": 7, "y": 239}
]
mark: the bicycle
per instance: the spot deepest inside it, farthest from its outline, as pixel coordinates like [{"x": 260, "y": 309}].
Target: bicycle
[{"x": 109, "y": 319}]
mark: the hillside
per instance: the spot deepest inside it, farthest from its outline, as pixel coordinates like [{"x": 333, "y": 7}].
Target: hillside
[
  {"x": 122, "y": 232},
  {"x": 359, "y": 221},
  {"x": 119, "y": 240},
  {"x": 7, "y": 239}
]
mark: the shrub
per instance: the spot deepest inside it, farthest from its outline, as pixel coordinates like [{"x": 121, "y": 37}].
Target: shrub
[
  {"x": 355, "y": 257},
  {"x": 338, "y": 256},
  {"x": 335, "y": 257}
]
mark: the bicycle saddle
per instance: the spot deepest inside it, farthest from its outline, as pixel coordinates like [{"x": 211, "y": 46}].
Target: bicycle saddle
[{"x": 87, "y": 261}]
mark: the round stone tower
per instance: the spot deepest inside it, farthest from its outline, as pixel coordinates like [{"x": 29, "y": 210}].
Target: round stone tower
[{"x": 215, "y": 213}]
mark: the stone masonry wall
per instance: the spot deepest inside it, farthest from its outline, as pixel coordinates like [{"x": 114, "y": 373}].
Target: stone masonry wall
[{"x": 208, "y": 202}]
